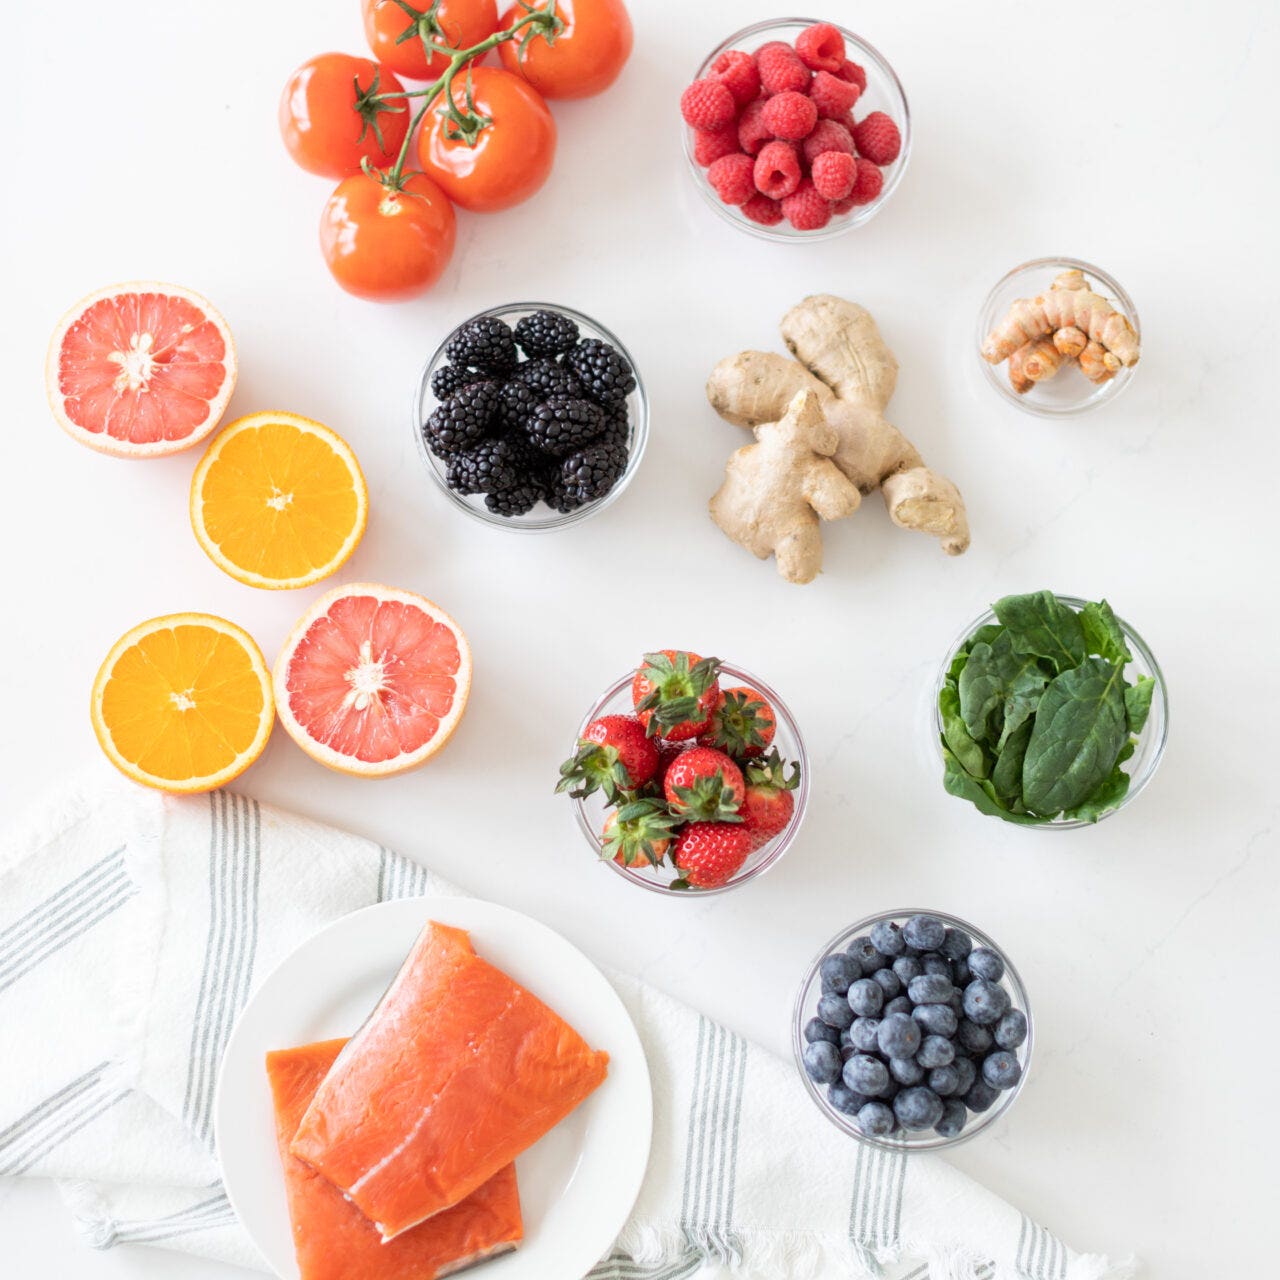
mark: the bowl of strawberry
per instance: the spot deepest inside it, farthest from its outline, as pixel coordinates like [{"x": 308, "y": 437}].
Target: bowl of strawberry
[
  {"x": 688, "y": 775},
  {"x": 796, "y": 129}
]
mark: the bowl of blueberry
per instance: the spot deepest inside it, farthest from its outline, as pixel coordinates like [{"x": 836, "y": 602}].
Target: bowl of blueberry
[
  {"x": 531, "y": 416},
  {"x": 912, "y": 1031}
]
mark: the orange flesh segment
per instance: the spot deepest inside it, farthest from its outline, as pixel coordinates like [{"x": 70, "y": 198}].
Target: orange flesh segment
[
  {"x": 372, "y": 679},
  {"x": 141, "y": 367},
  {"x": 332, "y": 1238},
  {"x": 456, "y": 1073}
]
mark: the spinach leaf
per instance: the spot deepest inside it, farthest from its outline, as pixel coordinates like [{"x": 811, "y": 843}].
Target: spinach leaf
[
  {"x": 1107, "y": 796},
  {"x": 984, "y": 635},
  {"x": 1042, "y": 625},
  {"x": 959, "y": 783},
  {"x": 998, "y": 680},
  {"x": 1102, "y": 633},
  {"x": 1006, "y": 777},
  {"x": 968, "y": 753},
  {"x": 1137, "y": 703},
  {"x": 1080, "y": 727}
]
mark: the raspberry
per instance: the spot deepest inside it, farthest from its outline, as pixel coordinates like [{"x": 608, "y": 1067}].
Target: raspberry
[
  {"x": 833, "y": 174},
  {"x": 840, "y": 207},
  {"x": 805, "y": 209},
  {"x": 710, "y": 144},
  {"x": 790, "y": 115},
  {"x": 753, "y": 133},
  {"x": 821, "y": 47},
  {"x": 737, "y": 71},
  {"x": 768, "y": 213},
  {"x": 832, "y": 96},
  {"x": 780, "y": 68},
  {"x": 877, "y": 138},
  {"x": 853, "y": 73},
  {"x": 777, "y": 170},
  {"x": 868, "y": 184},
  {"x": 707, "y": 104},
  {"x": 732, "y": 178},
  {"x": 827, "y": 135}
]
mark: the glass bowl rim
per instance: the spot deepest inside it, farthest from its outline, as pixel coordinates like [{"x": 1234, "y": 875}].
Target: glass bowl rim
[
  {"x": 979, "y": 1122},
  {"x": 639, "y": 430}
]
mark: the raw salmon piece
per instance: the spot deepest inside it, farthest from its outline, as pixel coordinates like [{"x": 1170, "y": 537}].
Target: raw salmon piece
[
  {"x": 457, "y": 1071},
  {"x": 335, "y": 1241}
]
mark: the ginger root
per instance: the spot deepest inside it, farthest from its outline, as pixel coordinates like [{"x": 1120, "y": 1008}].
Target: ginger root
[{"x": 841, "y": 361}]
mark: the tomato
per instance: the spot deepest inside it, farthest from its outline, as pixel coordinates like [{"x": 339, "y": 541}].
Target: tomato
[
  {"x": 463, "y": 23},
  {"x": 511, "y": 157},
  {"x": 385, "y": 244},
  {"x": 323, "y": 124},
  {"x": 586, "y": 56}
]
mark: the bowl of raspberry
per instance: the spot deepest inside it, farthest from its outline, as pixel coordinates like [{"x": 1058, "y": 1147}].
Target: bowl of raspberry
[
  {"x": 531, "y": 417},
  {"x": 688, "y": 776},
  {"x": 796, "y": 129},
  {"x": 912, "y": 1031}
]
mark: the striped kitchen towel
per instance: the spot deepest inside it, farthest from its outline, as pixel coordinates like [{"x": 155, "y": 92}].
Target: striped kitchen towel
[{"x": 133, "y": 928}]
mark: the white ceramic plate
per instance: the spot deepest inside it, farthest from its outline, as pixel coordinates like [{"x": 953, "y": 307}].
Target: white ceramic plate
[{"x": 577, "y": 1185}]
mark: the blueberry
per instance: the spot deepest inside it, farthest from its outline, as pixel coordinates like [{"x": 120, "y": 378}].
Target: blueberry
[
  {"x": 839, "y": 972},
  {"x": 866, "y": 1074},
  {"x": 957, "y": 1002},
  {"x": 973, "y": 1038},
  {"x": 954, "y": 1118},
  {"x": 876, "y": 1120},
  {"x": 934, "y": 963},
  {"x": 936, "y": 1051},
  {"x": 886, "y": 937},
  {"x": 899, "y": 1036},
  {"x": 1001, "y": 1069},
  {"x": 925, "y": 933},
  {"x": 835, "y": 1012},
  {"x": 984, "y": 963},
  {"x": 984, "y": 1002},
  {"x": 846, "y": 1036},
  {"x": 1011, "y": 1030},
  {"x": 980, "y": 1096},
  {"x": 899, "y": 1004},
  {"x": 863, "y": 1034},
  {"x": 967, "y": 1070},
  {"x": 846, "y": 1052},
  {"x": 906, "y": 1070},
  {"x": 866, "y": 999},
  {"x": 936, "y": 1019},
  {"x": 815, "y": 1029},
  {"x": 907, "y": 967},
  {"x": 961, "y": 974},
  {"x": 918, "y": 1108},
  {"x": 930, "y": 988},
  {"x": 890, "y": 1091},
  {"x": 888, "y": 981},
  {"x": 944, "y": 1081},
  {"x": 844, "y": 1100},
  {"x": 863, "y": 950},
  {"x": 822, "y": 1062},
  {"x": 955, "y": 944}
]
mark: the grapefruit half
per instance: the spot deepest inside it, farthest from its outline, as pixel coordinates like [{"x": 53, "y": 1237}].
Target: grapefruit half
[
  {"x": 140, "y": 370},
  {"x": 373, "y": 680}
]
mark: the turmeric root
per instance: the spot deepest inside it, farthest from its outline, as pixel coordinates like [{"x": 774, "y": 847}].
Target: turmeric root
[
  {"x": 1033, "y": 362},
  {"x": 848, "y": 373}
]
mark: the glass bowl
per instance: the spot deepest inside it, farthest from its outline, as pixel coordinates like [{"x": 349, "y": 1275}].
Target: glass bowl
[
  {"x": 884, "y": 92},
  {"x": 590, "y": 812},
  {"x": 806, "y": 1008},
  {"x": 542, "y": 519},
  {"x": 1151, "y": 741},
  {"x": 1068, "y": 392}
]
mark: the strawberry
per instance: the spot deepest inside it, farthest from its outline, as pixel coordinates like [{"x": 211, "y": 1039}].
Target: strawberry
[
  {"x": 614, "y": 755},
  {"x": 675, "y": 692},
  {"x": 709, "y": 854},
  {"x": 768, "y": 804},
  {"x": 743, "y": 724},
  {"x": 638, "y": 834},
  {"x": 667, "y": 753},
  {"x": 704, "y": 785}
]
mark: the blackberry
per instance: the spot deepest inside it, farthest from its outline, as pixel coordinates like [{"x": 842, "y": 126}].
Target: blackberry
[
  {"x": 546, "y": 333},
  {"x": 515, "y": 501},
  {"x": 617, "y": 427},
  {"x": 548, "y": 378},
  {"x": 605, "y": 375},
  {"x": 516, "y": 401},
  {"x": 485, "y": 343},
  {"x": 462, "y": 419},
  {"x": 562, "y": 497},
  {"x": 449, "y": 378},
  {"x": 590, "y": 474},
  {"x": 560, "y": 425},
  {"x": 487, "y": 468}
]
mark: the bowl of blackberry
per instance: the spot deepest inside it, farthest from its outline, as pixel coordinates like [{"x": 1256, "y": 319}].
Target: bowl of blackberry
[
  {"x": 531, "y": 416},
  {"x": 912, "y": 1031}
]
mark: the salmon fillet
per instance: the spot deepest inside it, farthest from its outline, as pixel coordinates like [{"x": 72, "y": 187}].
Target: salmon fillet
[
  {"x": 335, "y": 1241},
  {"x": 457, "y": 1071}
]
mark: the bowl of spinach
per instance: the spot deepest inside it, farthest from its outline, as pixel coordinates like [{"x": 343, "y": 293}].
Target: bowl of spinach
[{"x": 1050, "y": 712}]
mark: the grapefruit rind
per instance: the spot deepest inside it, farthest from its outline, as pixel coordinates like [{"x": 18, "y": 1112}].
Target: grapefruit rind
[
  {"x": 339, "y": 761},
  {"x": 100, "y": 441},
  {"x": 248, "y": 576}
]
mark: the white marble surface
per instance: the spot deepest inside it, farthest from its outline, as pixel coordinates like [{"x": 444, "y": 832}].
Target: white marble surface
[{"x": 1138, "y": 136}]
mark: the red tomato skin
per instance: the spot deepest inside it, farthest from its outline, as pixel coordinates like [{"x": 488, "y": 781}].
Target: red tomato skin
[
  {"x": 465, "y": 23},
  {"x": 320, "y": 125},
  {"x": 587, "y": 56},
  {"x": 512, "y": 157},
  {"x": 387, "y": 246}
]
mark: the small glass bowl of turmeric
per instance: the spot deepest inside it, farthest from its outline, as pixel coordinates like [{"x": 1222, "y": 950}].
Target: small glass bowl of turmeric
[{"x": 1058, "y": 336}]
